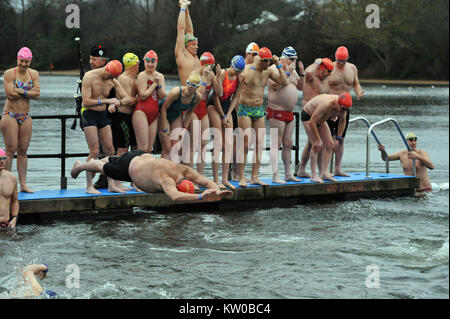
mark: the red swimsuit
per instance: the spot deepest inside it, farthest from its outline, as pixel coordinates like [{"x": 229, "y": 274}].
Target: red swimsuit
[
  {"x": 285, "y": 116},
  {"x": 200, "y": 110},
  {"x": 150, "y": 106}
]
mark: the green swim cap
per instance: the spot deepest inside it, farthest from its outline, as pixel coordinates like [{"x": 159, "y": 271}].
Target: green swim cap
[{"x": 189, "y": 39}]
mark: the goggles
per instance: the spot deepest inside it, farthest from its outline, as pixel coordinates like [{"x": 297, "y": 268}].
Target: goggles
[
  {"x": 194, "y": 85},
  {"x": 150, "y": 60},
  {"x": 412, "y": 139},
  {"x": 3, "y": 158}
]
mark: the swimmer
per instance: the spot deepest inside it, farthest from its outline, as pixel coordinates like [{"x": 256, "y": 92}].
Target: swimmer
[
  {"x": 153, "y": 175},
  {"x": 9, "y": 203},
  {"x": 423, "y": 162},
  {"x": 31, "y": 286}
]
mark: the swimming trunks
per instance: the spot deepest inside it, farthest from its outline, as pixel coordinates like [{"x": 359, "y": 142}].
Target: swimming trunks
[
  {"x": 117, "y": 167},
  {"x": 94, "y": 118},
  {"x": 150, "y": 106},
  {"x": 122, "y": 130},
  {"x": 285, "y": 116},
  {"x": 305, "y": 116},
  {"x": 334, "y": 125},
  {"x": 253, "y": 112},
  {"x": 19, "y": 117},
  {"x": 4, "y": 224},
  {"x": 200, "y": 110},
  {"x": 176, "y": 109}
]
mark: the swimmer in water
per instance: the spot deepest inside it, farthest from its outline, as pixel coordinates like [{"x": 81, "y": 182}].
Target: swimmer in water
[
  {"x": 32, "y": 287},
  {"x": 423, "y": 163}
]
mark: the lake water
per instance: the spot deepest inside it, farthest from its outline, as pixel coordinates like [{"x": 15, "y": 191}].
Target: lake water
[{"x": 319, "y": 250}]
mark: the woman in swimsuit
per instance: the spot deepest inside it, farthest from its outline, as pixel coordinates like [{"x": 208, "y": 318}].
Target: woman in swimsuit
[
  {"x": 151, "y": 88},
  {"x": 180, "y": 99},
  {"x": 210, "y": 82},
  {"x": 21, "y": 85},
  {"x": 220, "y": 117}
]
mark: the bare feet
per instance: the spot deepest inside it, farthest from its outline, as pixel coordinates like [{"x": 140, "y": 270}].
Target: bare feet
[
  {"x": 302, "y": 173},
  {"x": 228, "y": 184},
  {"x": 257, "y": 181},
  {"x": 122, "y": 187},
  {"x": 76, "y": 169},
  {"x": 340, "y": 173},
  {"x": 291, "y": 178},
  {"x": 26, "y": 189},
  {"x": 316, "y": 179},
  {"x": 328, "y": 177},
  {"x": 115, "y": 189},
  {"x": 92, "y": 190},
  {"x": 243, "y": 182},
  {"x": 276, "y": 179},
  {"x": 220, "y": 185}
]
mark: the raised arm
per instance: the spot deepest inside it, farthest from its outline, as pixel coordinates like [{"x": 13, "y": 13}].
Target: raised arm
[
  {"x": 277, "y": 74},
  {"x": 181, "y": 30}
]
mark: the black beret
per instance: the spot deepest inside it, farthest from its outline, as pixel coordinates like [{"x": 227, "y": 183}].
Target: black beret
[{"x": 99, "y": 51}]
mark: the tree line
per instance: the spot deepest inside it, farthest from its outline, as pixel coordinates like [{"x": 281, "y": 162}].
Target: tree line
[{"x": 410, "y": 43}]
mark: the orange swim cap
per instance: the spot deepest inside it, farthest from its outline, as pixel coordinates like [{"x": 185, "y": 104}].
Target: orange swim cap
[
  {"x": 327, "y": 64},
  {"x": 207, "y": 58},
  {"x": 265, "y": 53},
  {"x": 341, "y": 54},
  {"x": 151, "y": 55},
  {"x": 345, "y": 100},
  {"x": 185, "y": 186},
  {"x": 114, "y": 68}
]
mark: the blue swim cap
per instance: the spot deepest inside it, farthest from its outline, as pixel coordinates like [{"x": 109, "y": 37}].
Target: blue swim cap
[
  {"x": 289, "y": 53},
  {"x": 46, "y": 269},
  {"x": 50, "y": 293},
  {"x": 238, "y": 63}
]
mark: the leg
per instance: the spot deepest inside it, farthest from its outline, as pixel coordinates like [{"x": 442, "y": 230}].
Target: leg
[
  {"x": 194, "y": 129},
  {"x": 22, "y": 160},
  {"x": 10, "y": 132},
  {"x": 140, "y": 126},
  {"x": 327, "y": 150},
  {"x": 91, "y": 134},
  {"x": 259, "y": 126},
  {"x": 203, "y": 144},
  {"x": 216, "y": 123},
  {"x": 95, "y": 166},
  {"x": 279, "y": 126},
  {"x": 339, "y": 154},
  {"x": 304, "y": 160},
  {"x": 287, "y": 152},
  {"x": 244, "y": 123},
  {"x": 152, "y": 130},
  {"x": 227, "y": 155}
]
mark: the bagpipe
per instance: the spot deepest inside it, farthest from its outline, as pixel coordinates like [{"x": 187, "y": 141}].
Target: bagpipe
[{"x": 77, "y": 96}]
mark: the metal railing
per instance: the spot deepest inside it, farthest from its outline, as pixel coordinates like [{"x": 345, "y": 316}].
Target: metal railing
[{"x": 63, "y": 155}]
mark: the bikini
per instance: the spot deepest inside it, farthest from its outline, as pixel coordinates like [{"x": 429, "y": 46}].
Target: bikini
[{"x": 21, "y": 117}]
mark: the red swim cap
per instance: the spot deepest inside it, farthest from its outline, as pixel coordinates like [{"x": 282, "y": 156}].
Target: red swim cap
[
  {"x": 345, "y": 99},
  {"x": 151, "y": 55},
  {"x": 207, "y": 58},
  {"x": 185, "y": 186},
  {"x": 341, "y": 54},
  {"x": 265, "y": 53},
  {"x": 114, "y": 68},
  {"x": 327, "y": 64}
]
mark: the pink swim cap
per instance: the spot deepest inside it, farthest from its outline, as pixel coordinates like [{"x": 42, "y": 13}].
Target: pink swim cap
[
  {"x": 25, "y": 54},
  {"x": 2, "y": 152}
]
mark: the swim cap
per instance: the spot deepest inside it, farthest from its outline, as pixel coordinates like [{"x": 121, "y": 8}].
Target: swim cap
[
  {"x": 265, "y": 53},
  {"x": 151, "y": 55},
  {"x": 25, "y": 54},
  {"x": 289, "y": 53},
  {"x": 327, "y": 64},
  {"x": 252, "y": 48},
  {"x": 345, "y": 100},
  {"x": 50, "y": 293},
  {"x": 189, "y": 39},
  {"x": 185, "y": 186},
  {"x": 410, "y": 135},
  {"x": 98, "y": 51},
  {"x": 207, "y": 58},
  {"x": 114, "y": 68},
  {"x": 130, "y": 60},
  {"x": 341, "y": 54},
  {"x": 2, "y": 152},
  {"x": 238, "y": 63},
  {"x": 194, "y": 79}
]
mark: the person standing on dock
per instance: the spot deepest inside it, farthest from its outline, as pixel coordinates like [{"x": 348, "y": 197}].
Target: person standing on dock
[
  {"x": 9, "y": 203},
  {"x": 315, "y": 84},
  {"x": 405, "y": 157},
  {"x": 250, "y": 112},
  {"x": 314, "y": 118},
  {"x": 152, "y": 175},
  {"x": 97, "y": 85},
  {"x": 282, "y": 101},
  {"x": 21, "y": 85},
  {"x": 342, "y": 79}
]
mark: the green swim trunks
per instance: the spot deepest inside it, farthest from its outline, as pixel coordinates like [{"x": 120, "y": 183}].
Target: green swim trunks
[{"x": 253, "y": 112}]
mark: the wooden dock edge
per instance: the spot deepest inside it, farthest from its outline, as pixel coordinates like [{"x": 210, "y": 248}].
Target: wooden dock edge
[{"x": 243, "y": 198}]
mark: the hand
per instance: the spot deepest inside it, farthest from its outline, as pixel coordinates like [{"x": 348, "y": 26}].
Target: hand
[
  {"x": 413, "y": 155},
  {"x": 256, "y": 59},
  {"x": 275, "y": 59},
  {"x": 157, "y": 78},
  {"x": 318, "y": 61},
  {"x": 218, "y": 70},
  {"x": 206, "y": 70},
  {"x": 114, "y": 101},
  {"x": 112, "y": 108},
  {"x": 290, "y": 68},
  {"x": 317, "y": 146},
  {"x": 184, "y": 4},
  {"x": 360, "y": 95},
  {"x": 164, "y": 136},
  {"x": 301, "y": 68},
  {"x": 381, "y": 148},
  {"x": 12, "y": 223},
  {"x": 227, "y": 122}
]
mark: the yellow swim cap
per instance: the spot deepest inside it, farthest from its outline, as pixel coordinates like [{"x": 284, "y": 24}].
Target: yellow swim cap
[
  {"x": 194, "y": 78},
  {"x": 130, "y": 60}
]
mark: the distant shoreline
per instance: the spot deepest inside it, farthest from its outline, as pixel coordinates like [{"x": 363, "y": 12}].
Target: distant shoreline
[{"x": 363, "y": 81}]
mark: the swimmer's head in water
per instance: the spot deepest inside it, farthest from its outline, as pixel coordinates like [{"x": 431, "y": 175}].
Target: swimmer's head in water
[
  {"x": 194, "y": 80},
  {"x": 189, "y": 39},
  {"x": 130, "y": 60},
  {"x": 114, "y": 68},
  {"x": 50, "y": 294},
  {"x": 207, "y": 59},
  {"x": 185, "y": 186},
  {"x": 25, "y": 54},
  {"x": 345, "y": 100},
  {"x": 341, "y": 54},
  {"x": 238, "y": 63}
]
